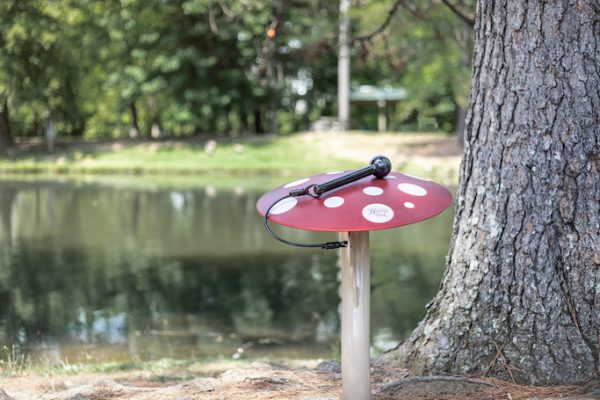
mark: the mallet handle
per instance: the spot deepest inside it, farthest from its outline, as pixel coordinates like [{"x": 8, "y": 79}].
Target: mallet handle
[{"x": 380, "y": 166}]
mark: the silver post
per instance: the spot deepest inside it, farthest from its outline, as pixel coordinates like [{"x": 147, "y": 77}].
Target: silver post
[{"x": 356, "y": 293}]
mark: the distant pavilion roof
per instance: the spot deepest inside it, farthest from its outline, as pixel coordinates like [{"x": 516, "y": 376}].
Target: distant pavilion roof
[{"x": 374, "y": 94}]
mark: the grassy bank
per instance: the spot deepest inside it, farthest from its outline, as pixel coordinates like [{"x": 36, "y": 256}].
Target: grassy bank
[
  {"x": 258, "y": 155},
  {"x": 161, "y": 369},
  {"x": 432, "y": 155}
]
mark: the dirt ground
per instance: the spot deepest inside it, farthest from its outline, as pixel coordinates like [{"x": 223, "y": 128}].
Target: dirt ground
[
  {"x": 427, "y": 149},
  {"x": 259, "y": 380}
]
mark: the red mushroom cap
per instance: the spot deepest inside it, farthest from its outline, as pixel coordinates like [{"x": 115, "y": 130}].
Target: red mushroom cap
[{"x": 365, "y": 205}]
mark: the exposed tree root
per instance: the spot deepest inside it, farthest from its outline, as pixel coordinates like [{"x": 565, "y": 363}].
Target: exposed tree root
[{"x": 469, "y": 388}]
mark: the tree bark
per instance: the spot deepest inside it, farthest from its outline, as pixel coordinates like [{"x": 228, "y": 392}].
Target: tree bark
[
  {"x": 154, "y": 131},
  {"x": 134, "y": 129},
  {"x": 50, "y": 134},
  {"x": 6, "y": 139},
  {"x": 243, "y": 115},
  {"x": 258, "y": 127},
  {"x": 520, "y": 298},
  {"x": 461, "y": 114},
  {"x": 464, "y": 43}
]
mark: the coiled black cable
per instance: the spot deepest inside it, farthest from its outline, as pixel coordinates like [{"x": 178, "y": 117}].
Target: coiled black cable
[{"x": 297, "y": 193}]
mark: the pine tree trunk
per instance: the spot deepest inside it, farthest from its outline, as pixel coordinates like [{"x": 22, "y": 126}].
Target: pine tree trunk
[
  {"x": 520, "y": 298},
  {"x": 6, "y": 139}
]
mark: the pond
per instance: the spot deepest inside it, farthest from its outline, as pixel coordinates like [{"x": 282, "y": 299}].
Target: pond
[{"x": 119, "y": 269}]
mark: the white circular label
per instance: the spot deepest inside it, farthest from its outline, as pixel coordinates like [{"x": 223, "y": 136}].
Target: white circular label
[
  {"x": 373, "y": 191},
  {"x": 413, "y": 190},
  {"x": 333, "y": 202},
  {"x": 377, "y": 213},
  {"x": 284, "y": 205},
  {"x": 408, "y": 204},
  {"x": 296, "y": 183}
]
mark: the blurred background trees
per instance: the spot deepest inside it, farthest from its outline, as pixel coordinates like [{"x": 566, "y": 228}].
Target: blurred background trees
[{"x": 151, "y": 68}]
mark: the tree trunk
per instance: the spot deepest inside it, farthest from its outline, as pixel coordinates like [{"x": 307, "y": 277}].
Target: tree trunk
[
  {"x": 273, "y": 107},
  {"x": 520, "y": 298},
  {"x": 6, "y": 139},
  {"x": 258, "y": 128},
  {"x": 36, "y": 127},
  {"x": 243, "y": 113},
  {"x": 461, "y": 113},
  {"x": 155, "y": 131},
  {"x": 154, "y": 126},
  {"x": 50, "y": 134},
  {"x": 228, "y": 124},
  {"x": 464, "y": 43},
  {"x": 134, "y": 129}
]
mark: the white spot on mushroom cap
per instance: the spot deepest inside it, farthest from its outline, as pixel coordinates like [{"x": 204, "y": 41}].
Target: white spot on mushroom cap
[
  {"x": 377, "y": 213},
  {"x": 334, "y": 172},
  {"x": 390, "y": 177},
  {"x": 408, "y": 204},
  {"x": 283, "y": 206},
  {"x": 296, "y": 183},
  {"x": 333, "y": 202},
  {"x": 373, "y": 191},
  {"x": 412, "y": 189}
]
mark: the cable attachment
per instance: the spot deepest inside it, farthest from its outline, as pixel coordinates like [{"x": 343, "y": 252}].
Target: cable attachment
[
  {"x": 325, "y": 246},
  {"x": 306, "y": 191},
  {"x": 334, "y": 245}
]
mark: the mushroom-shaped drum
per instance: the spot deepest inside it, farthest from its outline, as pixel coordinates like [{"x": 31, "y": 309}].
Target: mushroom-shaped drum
[
  {"x": 365, "y": 205},
  {"x": 354, "y": 203}
]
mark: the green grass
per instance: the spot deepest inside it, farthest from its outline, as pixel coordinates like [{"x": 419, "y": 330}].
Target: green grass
[
  {"x": 13, "y": 364},
  {"x": 268, "y": 155},
  {"x": 252, "y": 158},
  {"x": 160, "y": 370}
]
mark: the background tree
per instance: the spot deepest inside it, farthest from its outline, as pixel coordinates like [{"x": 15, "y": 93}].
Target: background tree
[
  {"x": 40, "y": 65},
  {"x": 520, "y": 298},
  {"x": 426, "y": 49},
  {"x": 6, "y": 139},
  {"x": 220, "y": 67}
]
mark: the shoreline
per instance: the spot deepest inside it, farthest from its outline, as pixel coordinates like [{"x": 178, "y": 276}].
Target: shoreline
[{"x": 431, "y": 155}]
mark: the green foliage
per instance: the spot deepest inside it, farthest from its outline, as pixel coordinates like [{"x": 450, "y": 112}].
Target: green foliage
[
  {"x": 182, "y": 67},
  {"x": 426, "y": 50}
]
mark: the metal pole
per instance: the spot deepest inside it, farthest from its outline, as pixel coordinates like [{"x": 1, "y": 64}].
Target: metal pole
[
  {"x": 356, "y": 293},
  {"x": 344, "y": 67}
]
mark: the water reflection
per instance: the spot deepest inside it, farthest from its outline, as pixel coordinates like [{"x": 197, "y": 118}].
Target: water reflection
[{"x": 100, "y": 272}]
